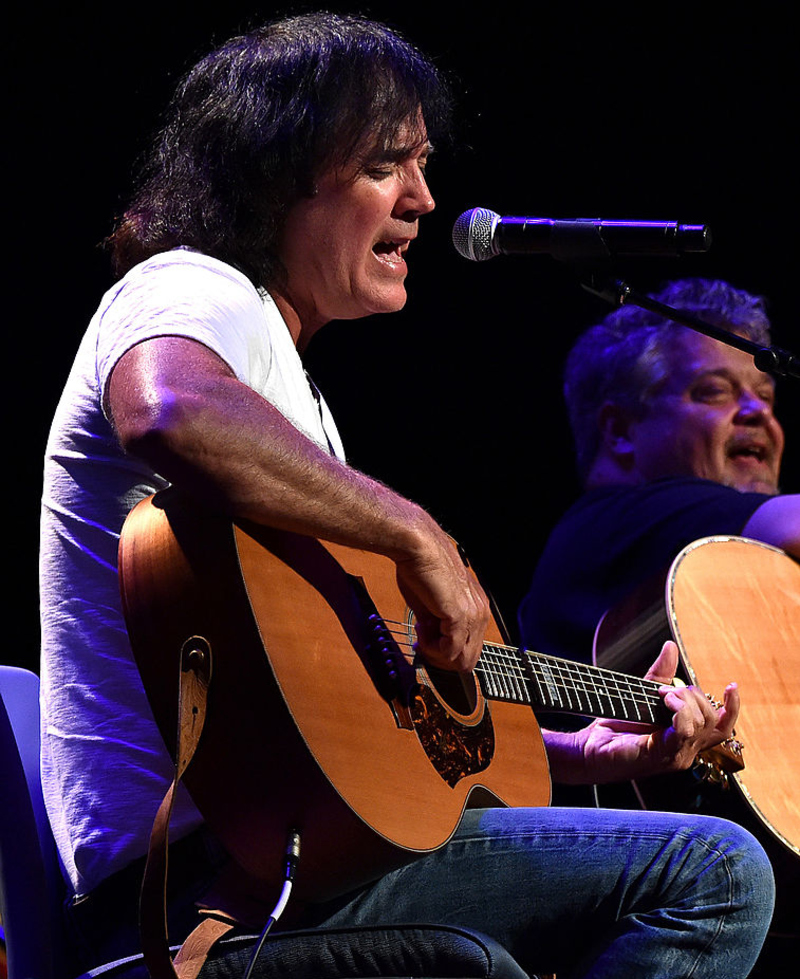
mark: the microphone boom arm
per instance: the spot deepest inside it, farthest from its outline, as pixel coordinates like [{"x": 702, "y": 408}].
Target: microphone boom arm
[{"x": 770, "y": 360}]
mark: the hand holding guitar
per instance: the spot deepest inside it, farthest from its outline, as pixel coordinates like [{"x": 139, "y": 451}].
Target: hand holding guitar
[
  {"x": 614, "y": 750},
  {"x": 450, "y": 607},
  {"x": 697, "y": 722}
]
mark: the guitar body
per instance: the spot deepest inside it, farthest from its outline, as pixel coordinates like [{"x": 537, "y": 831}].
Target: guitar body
[
  {"x": 733, "y": 607},
  {"x": 754, "y": 608},
  {"x": 307, "y": 728}
]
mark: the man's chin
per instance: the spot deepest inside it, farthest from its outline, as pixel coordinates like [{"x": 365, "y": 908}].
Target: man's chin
[{"x": 755, "y": 484}]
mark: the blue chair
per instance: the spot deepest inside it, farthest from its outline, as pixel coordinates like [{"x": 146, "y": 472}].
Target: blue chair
[
  {"x": 31, "y": 893},
  {"x": 30, "y": 887}
]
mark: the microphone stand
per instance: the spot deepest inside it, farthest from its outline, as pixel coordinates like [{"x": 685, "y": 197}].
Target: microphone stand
[{"x": 768, "y": 359}]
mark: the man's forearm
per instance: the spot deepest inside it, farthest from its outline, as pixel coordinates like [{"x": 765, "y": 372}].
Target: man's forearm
[{"x": 202, "y": 429}]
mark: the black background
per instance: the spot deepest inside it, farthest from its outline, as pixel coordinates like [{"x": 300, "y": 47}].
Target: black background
[{"x": 659, "y": 111}]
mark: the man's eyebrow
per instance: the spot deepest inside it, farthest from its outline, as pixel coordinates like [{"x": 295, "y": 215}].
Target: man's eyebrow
[
  {"x": 395, "y": 153},
  {"x": 405, "y": 150}
]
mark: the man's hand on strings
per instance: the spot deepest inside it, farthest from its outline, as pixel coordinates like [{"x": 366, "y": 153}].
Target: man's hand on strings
[
  {"x": 619, "y": 750},
  {"x": 450, "y": 607}
]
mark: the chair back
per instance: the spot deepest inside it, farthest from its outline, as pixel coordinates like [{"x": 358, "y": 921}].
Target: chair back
[{"x": 30, "y": 884}]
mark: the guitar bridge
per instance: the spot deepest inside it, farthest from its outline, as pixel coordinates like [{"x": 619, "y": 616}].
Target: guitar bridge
[{"x": 395, "y": 678}]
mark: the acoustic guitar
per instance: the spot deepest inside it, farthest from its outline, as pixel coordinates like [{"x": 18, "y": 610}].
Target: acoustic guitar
[
  {"x": 318, "y": 717},
  {"x": 733, "y": 607}
]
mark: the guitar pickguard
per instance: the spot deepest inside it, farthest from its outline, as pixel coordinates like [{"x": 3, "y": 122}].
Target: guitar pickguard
[{"x": 455, "y": 749}]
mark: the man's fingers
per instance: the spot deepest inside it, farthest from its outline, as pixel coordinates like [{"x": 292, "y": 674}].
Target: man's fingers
[
  {"x": 663, "y": 670},
  {"x": 729, "y": 713},
  {"x": 451, "y": 610}
]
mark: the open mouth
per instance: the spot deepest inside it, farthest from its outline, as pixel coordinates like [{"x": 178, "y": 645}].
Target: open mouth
[
  {"x": 755, "y": 452},
  {"x": 392, "y": 252}
]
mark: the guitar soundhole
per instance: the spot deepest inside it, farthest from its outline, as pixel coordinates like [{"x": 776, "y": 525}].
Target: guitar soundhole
[
  {"x": 455, "y": 731},
  {"x": 458, "y": 691}
]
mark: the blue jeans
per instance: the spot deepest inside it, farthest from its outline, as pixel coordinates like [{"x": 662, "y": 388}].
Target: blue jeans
[
  {"x": 587, "y": 892},
  {"x": 582, "y": 892}
]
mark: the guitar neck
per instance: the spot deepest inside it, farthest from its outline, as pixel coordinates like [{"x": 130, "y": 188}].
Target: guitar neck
[{"x": 551, "y": 684}]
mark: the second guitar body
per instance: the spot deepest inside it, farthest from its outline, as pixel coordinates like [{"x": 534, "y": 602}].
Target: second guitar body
[{"x": 733, "y": 606}]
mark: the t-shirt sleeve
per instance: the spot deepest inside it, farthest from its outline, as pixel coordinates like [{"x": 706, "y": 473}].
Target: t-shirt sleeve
[
  {"x": 665, "y": 516},
  {"x": 611, "y": 542},
  {"x": 201, "y": 300}
]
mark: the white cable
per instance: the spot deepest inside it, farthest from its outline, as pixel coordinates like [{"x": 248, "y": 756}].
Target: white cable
[{"x": 292, "y": 859}]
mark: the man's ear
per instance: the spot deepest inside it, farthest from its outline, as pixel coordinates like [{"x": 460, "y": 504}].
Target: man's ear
[{"x": 615, "y": 424}]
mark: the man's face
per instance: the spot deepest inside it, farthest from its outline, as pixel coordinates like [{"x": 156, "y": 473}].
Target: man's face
[
  {"x": 713, "y": 418},
  {"x": 345, "y": 248}
]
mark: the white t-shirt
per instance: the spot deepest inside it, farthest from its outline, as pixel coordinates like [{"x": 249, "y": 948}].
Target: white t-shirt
[{"x": 104, "y": 765}]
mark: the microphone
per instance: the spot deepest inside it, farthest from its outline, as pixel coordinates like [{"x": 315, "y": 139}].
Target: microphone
[{"x": 479, "y": 234}]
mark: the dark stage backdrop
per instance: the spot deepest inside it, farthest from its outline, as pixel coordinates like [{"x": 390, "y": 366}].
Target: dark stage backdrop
[{"x": 653, "y": 111}]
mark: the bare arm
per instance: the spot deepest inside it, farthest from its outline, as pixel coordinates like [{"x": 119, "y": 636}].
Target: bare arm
[
  {"x": 777, "y": 522},
  {"x": 608, "y": 751},
  {"x": 175, "y": 404}
]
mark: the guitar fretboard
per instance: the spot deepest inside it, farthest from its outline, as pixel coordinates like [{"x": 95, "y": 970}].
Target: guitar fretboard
[{"x": 552, "y": 684}]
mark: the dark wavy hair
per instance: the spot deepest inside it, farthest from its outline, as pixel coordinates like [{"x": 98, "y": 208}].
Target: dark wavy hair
[
  {"x": 624, "y": 359},
  {"x": 255, "y": 123}
]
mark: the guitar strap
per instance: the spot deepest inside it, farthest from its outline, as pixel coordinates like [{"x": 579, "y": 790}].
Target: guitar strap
[{"x": 195, "y": 676}]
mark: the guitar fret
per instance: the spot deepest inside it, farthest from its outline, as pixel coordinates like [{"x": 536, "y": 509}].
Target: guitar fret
[
  {"x": 597, "y": 699},
  {"x": 581, "y": 687},
  {"x": 503, "y": 675},
  {"x": 515, "y": 676},
  {"x": 549, "y": 688},
  {"x": 577, "y": 688},
  {"x": 550, "y": 683},
  {"x": 635, "y": 701}
]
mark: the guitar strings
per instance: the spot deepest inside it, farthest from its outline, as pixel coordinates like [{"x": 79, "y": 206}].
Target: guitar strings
[
  {"x": 559, "y": 683},
  {"x": 505, "y": 659}
]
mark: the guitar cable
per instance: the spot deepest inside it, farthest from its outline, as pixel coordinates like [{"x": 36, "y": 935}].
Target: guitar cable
[{"x": 292, "y": 861}]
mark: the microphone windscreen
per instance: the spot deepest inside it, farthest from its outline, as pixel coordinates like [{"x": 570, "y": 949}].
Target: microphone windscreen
[{"x": 473, "y": 234}]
